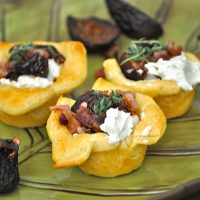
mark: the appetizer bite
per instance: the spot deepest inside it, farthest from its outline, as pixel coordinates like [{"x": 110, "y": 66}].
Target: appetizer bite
[
  {"x": 162, "y": 71},
  {"x": 32, "y": 77},
  {"x": 105, "y": 131},
  {"x": 9, "y": 175}
]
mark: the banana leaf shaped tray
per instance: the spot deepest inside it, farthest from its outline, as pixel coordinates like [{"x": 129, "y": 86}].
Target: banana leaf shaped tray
[{"x": 170, "y": 163}]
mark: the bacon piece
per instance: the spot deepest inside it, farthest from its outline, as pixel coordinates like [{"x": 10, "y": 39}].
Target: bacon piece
[
  {"x": 58, "y": 108},
  {"x": 171, "y": 51},
  {"x": 174, "y": 50},
  {"x": 71, "y": 122},
  {"x": 99, "y": 73},
  {"x": 89, "y": 119},
  {"x": 4, "y": 70},
  {"x": 161, "y": 54},
  {"x": 129, "y": 102}
]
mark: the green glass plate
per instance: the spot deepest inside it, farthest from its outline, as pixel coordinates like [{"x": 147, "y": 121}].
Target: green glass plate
[{"x": 169, "y": 163}]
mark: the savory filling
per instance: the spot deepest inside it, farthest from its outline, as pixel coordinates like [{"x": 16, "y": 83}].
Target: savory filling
[
  {"x": 152, "y": 59},
  {"x": 112, "y": 113},
  {"x": 31, "y": 65}
]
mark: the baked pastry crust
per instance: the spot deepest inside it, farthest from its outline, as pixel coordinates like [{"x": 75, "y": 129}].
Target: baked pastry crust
[
  {"x": 37, "y": 116},
  {"x": 170, "y": 97},
  {"x": 92, "y": 152},
  {"x": 25, "y": 107}
]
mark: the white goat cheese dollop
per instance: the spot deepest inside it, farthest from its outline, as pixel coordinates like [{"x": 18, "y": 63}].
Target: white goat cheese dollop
[
  {"x": 185, "y": 72},
  {"x": 29, "y": 81},
  {"x": 118, "y": 124}
]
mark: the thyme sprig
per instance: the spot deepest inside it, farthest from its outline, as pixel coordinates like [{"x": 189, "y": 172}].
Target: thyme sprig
[
  {"x": 116, "y": 98},
  {"x": 18, "y": 50},
  {"x": 143, "y": 49},
  {"x": 105, "y": 102},
  {"x": 102, "y": 105},
  {"x": 51, "y": 49}
]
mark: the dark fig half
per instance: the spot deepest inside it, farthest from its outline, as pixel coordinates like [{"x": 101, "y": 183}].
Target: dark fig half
[
  {"x": 133, "y": 22},
  {"x": 96, "y": 34}
]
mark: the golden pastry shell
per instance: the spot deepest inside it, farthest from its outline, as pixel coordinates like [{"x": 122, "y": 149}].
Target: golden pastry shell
[
  {"x": 19, "y": 106},
  {"x": 86, "y": 150},
  {"x": 170, "y": 97}
]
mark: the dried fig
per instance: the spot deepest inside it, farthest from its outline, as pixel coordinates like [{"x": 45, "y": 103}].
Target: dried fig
[
  {"x": 133, "y": 22},
  {"x": 97, "y": 34}
]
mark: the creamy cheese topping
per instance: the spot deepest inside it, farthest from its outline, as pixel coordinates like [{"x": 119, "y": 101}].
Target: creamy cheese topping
[
  {"x": 29, "y": 81},
  {"x": 185, "y": 72},
  {"x": 118, "y": 124},
  {"x": 54, "y": 70}
]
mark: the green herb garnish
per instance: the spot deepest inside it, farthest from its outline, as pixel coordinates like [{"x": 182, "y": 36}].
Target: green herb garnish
[
  {"x": 116, "y": 98},
  {"x": 143, "y": 49},
  {"x": 51, "y": 49},
  {"x": 106, "y": 102},
  {"x": 18, "y": 50}
]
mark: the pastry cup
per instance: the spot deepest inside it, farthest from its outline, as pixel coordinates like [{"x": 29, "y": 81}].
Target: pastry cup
[
  {"x": 168, "y": 95},
  {"x": 92, "y": 152},
  {"x": 29, "y": 107}
]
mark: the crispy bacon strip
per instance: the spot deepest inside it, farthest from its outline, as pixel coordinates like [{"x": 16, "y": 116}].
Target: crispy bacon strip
[
  {"x": 174, "y": 50},
  {"x": 71, "y": 122},
  {"x": 130, "y": 102},
  {"x": 4, "y": 70},
  {"x": 89, "y": 119},
  {"x": 58, "y": 108},
  {"x": 99, "y": 73}
]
